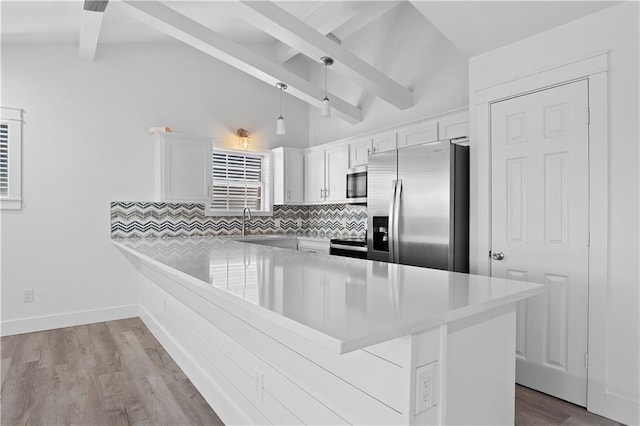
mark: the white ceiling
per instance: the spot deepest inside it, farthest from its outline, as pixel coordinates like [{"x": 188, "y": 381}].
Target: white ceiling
[
  {"x": 475, "y": 27},
  {"x": 472, "y": 26}
]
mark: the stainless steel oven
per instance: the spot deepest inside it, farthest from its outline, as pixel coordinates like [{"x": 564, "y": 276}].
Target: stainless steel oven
[
  {"x": 357, "y": 185},
  {"x": 349, "y": 247}
]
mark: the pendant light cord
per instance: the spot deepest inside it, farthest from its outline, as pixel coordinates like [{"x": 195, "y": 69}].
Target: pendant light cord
[
  {"x": 281, "y": 102},
  {"x": 325, "y": 80}
]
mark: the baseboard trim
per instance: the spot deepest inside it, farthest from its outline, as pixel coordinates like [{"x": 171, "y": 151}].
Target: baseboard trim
[
  {"x": 622, "y": 409},
  {"x": 69, "y": 319}
]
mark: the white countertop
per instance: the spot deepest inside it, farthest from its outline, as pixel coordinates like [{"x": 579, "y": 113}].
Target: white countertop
[{"x": 341, "y": 303}]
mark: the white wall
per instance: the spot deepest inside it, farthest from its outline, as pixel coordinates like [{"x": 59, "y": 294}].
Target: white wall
[
  {"x": 406, "y": 47},
  {"x": 85, "y": 144},
  {"x": 616, "y": 30}
]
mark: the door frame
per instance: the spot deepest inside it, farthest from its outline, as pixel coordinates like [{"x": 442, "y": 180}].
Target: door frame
[{"x": 593, "y": 68}]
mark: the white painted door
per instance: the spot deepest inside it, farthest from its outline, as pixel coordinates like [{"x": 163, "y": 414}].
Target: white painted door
[{"x": 540, "y": 174}]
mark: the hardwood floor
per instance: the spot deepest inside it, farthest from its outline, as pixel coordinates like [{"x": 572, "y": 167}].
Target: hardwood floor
[
  {"x": 536, "y": 408},
  {"x": 113, "y": 373},
  {"x": 116, "y": 373}
]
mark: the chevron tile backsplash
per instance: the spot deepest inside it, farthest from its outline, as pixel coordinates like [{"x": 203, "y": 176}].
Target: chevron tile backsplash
[{"x": 167, "y": 220}]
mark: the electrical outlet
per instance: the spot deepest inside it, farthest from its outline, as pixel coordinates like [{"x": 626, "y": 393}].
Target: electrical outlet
[
  {"x": 427, "y": 384},
  {"x": 28, "y": 295},
  {"x": 259, "y": 385}
]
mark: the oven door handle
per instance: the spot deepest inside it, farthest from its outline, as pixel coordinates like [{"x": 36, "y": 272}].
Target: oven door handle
[{"x": 346, "y": 247}]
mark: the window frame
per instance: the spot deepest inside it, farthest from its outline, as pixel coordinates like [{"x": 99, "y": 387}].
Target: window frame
[
  {"x": 266, "y": 181},
  {"x": 12, "y": 117}
]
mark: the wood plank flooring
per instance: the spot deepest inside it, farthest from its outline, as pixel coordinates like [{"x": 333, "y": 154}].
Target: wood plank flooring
[
  {"x": 113, "y": 373},
  {"x": 117, "y": 373}
]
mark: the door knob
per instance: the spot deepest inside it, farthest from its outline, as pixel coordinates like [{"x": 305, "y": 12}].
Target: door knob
[{"x": 498, "y": 255}]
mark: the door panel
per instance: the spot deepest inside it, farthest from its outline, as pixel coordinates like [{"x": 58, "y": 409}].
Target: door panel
[
  {"x": 314, "y": 176},
  {"x": 539, "y": 146},
  {"x": 424, "y": 220},
  {"x": 382, "y": 171},
  {"x": 336, "y": 163}
]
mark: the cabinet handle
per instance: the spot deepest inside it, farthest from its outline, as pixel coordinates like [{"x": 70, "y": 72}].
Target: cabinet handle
[
  {"x": 374, "y": 149},
  {"x": 326, "y": 193},
  {"x": 288, "y": 194},
  {"x": 321, "y": 193},
  {"x": 368, "y": 151}
]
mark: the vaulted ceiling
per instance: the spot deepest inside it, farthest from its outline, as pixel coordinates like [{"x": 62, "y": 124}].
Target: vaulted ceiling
[{"x": 229, "y": 30}]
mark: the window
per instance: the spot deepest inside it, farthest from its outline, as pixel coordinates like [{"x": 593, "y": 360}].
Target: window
[
  {"x": 10, "y": 159},
  {"x": 239, "y": 179}
]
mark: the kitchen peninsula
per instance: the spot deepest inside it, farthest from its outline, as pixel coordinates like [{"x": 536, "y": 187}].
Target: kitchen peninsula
[{"x": 273, "y": 335}]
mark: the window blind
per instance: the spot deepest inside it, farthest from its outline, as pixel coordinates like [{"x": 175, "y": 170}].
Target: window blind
[
  {"x": 4, "y": 159},
  {"x": 237, "y": 181}
]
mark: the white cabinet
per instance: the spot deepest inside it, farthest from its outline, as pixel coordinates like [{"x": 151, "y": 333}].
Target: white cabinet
[
  {"x": 359, "y": 151},
  {"x": 454, "y": 126},
  {"x": 384, "y": 142},
  {"x": 182, "y": 167},
  {"x": 418, "y": 133},
  {"x": 325, "y": 174},
  {"x": 287, "y": 176},
  {"x": 314, "y": 176},
  {"x": 336, "y": 165},
  {"x": 313, "y": 245}
]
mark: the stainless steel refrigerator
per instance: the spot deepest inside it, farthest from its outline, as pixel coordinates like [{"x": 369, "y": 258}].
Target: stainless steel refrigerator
[{"x": 418, "y": 206}]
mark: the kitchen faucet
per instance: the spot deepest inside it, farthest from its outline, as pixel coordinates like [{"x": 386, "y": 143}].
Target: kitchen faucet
[{"x": 245, "y": 212}]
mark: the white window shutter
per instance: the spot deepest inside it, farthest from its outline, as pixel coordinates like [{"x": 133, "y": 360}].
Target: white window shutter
[
  {"x": 237, "y": 182},
  {"x": 4, "y": 159}
]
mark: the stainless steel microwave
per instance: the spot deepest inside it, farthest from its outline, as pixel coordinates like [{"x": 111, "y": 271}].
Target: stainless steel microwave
[{"x": 357, "y": 185}]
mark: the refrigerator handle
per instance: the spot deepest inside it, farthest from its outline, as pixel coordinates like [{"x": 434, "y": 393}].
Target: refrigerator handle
[
  {"x": 390, "y": 228},
  {"x": 396, "y": 221}
]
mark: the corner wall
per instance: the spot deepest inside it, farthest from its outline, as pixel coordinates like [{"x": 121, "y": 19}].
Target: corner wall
[
  {"x": 615, "y": 30},
  {"x": 85, "y": 143}
]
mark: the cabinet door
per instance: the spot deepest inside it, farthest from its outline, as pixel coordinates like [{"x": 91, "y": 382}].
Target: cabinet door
[
  {"x": 293, "y": 187},
  {"x": 417, "y": 134},
  {"x": 385, "y": 142},
  {"x": 455, "y": 126},
  {"x": 359, "y": 151},
  {"x": 183, "y": 171},
  {"x": 314, "y": 176},
  {"x": 336, "y": 165}
]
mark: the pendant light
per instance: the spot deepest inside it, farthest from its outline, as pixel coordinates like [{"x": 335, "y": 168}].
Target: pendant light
[
  {"x": 325, "y": 110},
  {"x": 280, "y": 129}
]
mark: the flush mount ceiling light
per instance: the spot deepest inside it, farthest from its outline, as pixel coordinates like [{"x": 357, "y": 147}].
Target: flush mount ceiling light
[
  {"x": 280, "y": 130},
  {"x": 243, "y": 135},
  {"x": 325, "y": 110}
]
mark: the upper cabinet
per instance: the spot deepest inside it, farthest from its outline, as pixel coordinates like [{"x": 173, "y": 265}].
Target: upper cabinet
[
  {"x": 287, "y": 176},
  {"x": 325, "y": 173},
  {"x": 418, "y": 133},
  {"x": 359, "y": 151},
  {"x": 454, "y": 126},
  {"x": 384, "y": 142},
  {"x": 336, "y": 165},
  {"x": 182, "y": 168},
  {"x": 324, "y": 167}
]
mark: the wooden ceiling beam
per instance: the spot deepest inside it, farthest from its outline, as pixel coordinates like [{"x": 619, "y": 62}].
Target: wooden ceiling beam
[
  {"x": 290, "y": 30},
  {"x": 198, "y": 36}
]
